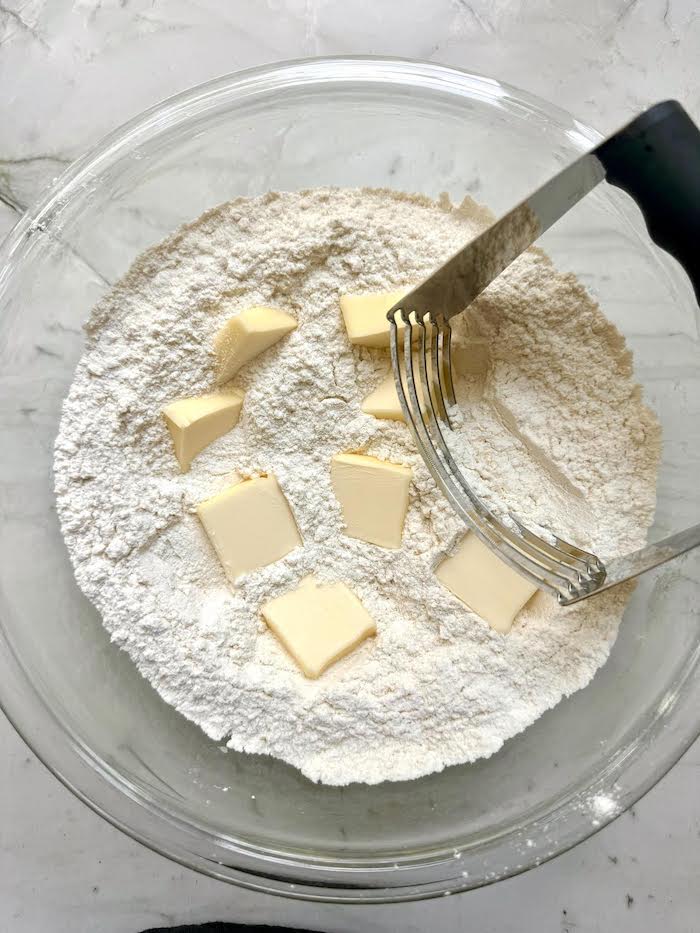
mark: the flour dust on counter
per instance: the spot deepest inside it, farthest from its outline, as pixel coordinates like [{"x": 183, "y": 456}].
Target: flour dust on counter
[{"x": 428, "y": 683}]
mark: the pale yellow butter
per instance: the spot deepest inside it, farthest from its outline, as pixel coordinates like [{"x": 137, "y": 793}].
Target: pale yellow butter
[
  {"x": 383, "y": 402},
  {"x": 195, "y": 422},
  {"x": 247, "y": 335},
  {"x": 319, "y": 624},
  {"x": 471, "y": 357},
  {"x": 249, "y": 525},
  {"x": 484, "y": 583},
  {"x": 373, "y": 496},
  {"x": 365, "y": 317}
]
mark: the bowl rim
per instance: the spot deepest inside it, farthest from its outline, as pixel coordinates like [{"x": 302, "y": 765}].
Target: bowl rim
[{"x": 342, "y": 884}]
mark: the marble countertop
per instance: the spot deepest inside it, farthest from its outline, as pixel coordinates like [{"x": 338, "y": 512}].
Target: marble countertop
[{"x": 70, "y": 72}]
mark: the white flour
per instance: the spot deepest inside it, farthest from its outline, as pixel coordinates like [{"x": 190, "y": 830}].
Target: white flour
[{"x": 436, "y": 686}]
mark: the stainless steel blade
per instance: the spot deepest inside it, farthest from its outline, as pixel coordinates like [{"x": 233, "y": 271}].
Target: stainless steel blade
[{"x": 465, "y": 275}]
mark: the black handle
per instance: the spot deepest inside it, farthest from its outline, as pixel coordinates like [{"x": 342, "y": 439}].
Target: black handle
[{"x": 656, "y": 159}]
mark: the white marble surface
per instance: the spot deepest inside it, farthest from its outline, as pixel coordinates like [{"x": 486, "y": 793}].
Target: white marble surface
[{"x": 71, "y": 71}]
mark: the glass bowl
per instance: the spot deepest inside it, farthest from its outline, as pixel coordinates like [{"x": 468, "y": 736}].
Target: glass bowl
[{"x": 78, "y": 700}]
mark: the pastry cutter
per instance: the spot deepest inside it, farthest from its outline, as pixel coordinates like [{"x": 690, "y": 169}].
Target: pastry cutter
[{"x": 655, "y": 159}]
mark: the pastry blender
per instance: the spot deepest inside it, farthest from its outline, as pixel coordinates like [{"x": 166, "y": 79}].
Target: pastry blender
[{"x": 656, "y": 159}]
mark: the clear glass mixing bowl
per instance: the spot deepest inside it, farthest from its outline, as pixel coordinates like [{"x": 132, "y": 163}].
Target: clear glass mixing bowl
[{"x": 80, "y": 703}]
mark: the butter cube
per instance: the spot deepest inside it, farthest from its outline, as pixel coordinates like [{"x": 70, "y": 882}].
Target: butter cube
[
  {"x": 247, "y": 335},
  {"x": 249, "y": 525},
  {"x": 383, "y": 402},
  {"x": 484, "y": 583},
  {"x": 470, "y": 358},
  {"x": 319, "y": 624},
  {"x": 365, "y": 317},
  {"x": 195, "y": 422},
  {"x": 373, "y": 496}
]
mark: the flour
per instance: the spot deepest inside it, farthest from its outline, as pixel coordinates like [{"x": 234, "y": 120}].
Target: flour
[{"x": 436, "y": 686}]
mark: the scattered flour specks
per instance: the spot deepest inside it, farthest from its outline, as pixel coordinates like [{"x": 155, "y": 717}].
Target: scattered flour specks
[{"x": 558, "y": 433}]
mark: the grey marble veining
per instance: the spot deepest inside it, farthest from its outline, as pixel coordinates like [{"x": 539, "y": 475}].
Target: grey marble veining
[{"x": 72, "y": 71}]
